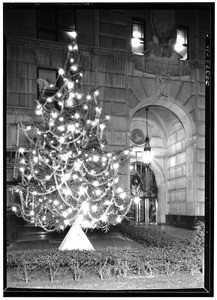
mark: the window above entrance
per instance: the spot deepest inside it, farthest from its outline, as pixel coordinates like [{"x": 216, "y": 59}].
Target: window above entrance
[
  {"x": 137, "y": 40},
  {"x": 181, "y": 45}
]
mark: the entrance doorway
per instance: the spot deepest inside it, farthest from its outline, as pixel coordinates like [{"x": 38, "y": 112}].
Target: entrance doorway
[{"x": 144, "y": 189}]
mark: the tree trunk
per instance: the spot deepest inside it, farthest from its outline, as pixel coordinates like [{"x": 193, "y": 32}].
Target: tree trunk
[{"x": 76, "y": 239}]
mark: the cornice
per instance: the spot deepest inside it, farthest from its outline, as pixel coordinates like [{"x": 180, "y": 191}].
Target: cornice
[{"x": 57, "y": 46}]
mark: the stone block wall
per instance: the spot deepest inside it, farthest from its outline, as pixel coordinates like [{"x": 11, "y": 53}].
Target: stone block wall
[{"x": 176, "y": 166}]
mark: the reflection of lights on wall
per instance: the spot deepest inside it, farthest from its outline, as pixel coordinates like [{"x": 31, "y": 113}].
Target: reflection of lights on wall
[{"x": 136, "y": 42}]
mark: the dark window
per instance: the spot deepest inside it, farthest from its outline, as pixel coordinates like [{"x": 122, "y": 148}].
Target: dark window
[
  {"x": 138, "y": 36},
  {"x": 181, "y": 45},
  {"x": 10, "y": 159},
  {"x": 55, "y": 24}
]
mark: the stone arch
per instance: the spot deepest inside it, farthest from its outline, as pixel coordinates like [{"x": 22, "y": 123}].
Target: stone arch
[
  {"x": 174, "y": 106},
  {"x": 161, "y": 174}
]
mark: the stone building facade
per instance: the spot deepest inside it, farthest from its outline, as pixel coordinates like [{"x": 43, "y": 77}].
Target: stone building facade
[{"x": 172, "y": 88}]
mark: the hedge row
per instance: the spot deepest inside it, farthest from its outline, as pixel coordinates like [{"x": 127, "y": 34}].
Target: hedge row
[
  {"x": 106, "y": 263},
  {"x": 153, "y": 237}
]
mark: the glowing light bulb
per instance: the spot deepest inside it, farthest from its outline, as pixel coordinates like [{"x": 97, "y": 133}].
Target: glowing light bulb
[
  {"x": 79, "y": 96},
  {"x": 126, "y": 152},
  {"x": 22, "y": 169},
  {"x": 123, "y": 195},
  {"x": 94, "y": 208},
  {"x": 61, "y": 119},
  {"x": 62, "y": 140},
  {"x": 98, "y": 192},
  {"x": 71, "y": 60},
  {"x": 69, "y": 210},
  {"x": 74, "y": 176},
  {"x": 96, "y": 183},
  {"x": 85, "y": 106},
  {"x": 102, "y": 126},
  {"x": 136, "y": 200},
  {"x": 85, "y": 206},
  {"x": 38, "y": 112},
  {"x": 108, "y": 117},
  {"x": 65, "y": 156},
  {"x": 61, "y": 128},
  {"x": 107, "y": 202},
  {"x": 70, "y": 85},
  {"x": 65, "y": 177},
  {"x": 66, "y": 222},
  {"x": 65, "y": 214},
  {"x": 96, "y": 93},
  {"x": 14, "y": 208},
  {"x": 118, "y": 219},
  {"x": 115, "y": 166},
  {"x": 21, "y": 150},
  {"x": 47, "y": 177},
  {"x": 31, "y": 213},
  {"x": 104, "y": 158},
  {"x": 61, "y": 71},
  {"x": 49, "y": 99},
  {"x": 88, "y": 97},
  {"x": 82, "y": 190},
  {"x": 95, "y": 158},
  {"x": 74, "y": 68},
  {"x": 81, "y": 74},
  {"x": 70, "y": 47},
  {"x": 35, "y": 159},
  {"x": 54, "y": 114},
  {"x": 66, "y": 191},
  {"x": 119, "y": 190},
  {"x": 69, "y": 102},
  {"x": 56, "y": 202},
  {"x": 77, "y": 116},
  {"x": 73, "y": 34},
  {"x": 77, "y": 165},
  {"x": 28, "y": 127},
  {"x": 104, "y": 218}
]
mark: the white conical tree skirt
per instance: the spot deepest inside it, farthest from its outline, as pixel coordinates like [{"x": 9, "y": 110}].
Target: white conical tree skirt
[{"x": 76, "y": 239}]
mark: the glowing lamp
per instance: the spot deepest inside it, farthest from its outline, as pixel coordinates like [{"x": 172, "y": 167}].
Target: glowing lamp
[{"x": 147, "y": 156}]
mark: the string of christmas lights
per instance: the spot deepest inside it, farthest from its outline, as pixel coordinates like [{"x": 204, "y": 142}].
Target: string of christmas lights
[{"x": 67, "y": 176}]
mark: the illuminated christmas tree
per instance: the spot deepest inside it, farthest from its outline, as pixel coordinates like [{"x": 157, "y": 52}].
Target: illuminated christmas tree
[{"x": 68, "y": 176}]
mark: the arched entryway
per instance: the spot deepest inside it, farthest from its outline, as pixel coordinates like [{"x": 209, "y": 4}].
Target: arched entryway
[
  {"x": 145, "y": 192},
  {"x": 171, "y": 131}
]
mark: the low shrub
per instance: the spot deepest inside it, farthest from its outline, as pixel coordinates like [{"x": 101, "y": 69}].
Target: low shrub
[
  {"x": 149, "y": 236},
  {"x": 118, "y": 262}
]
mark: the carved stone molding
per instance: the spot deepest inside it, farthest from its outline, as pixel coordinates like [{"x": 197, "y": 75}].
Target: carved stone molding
[
  {"x": 57, "y": 46},
  {"x": 162, "y": 65}
]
